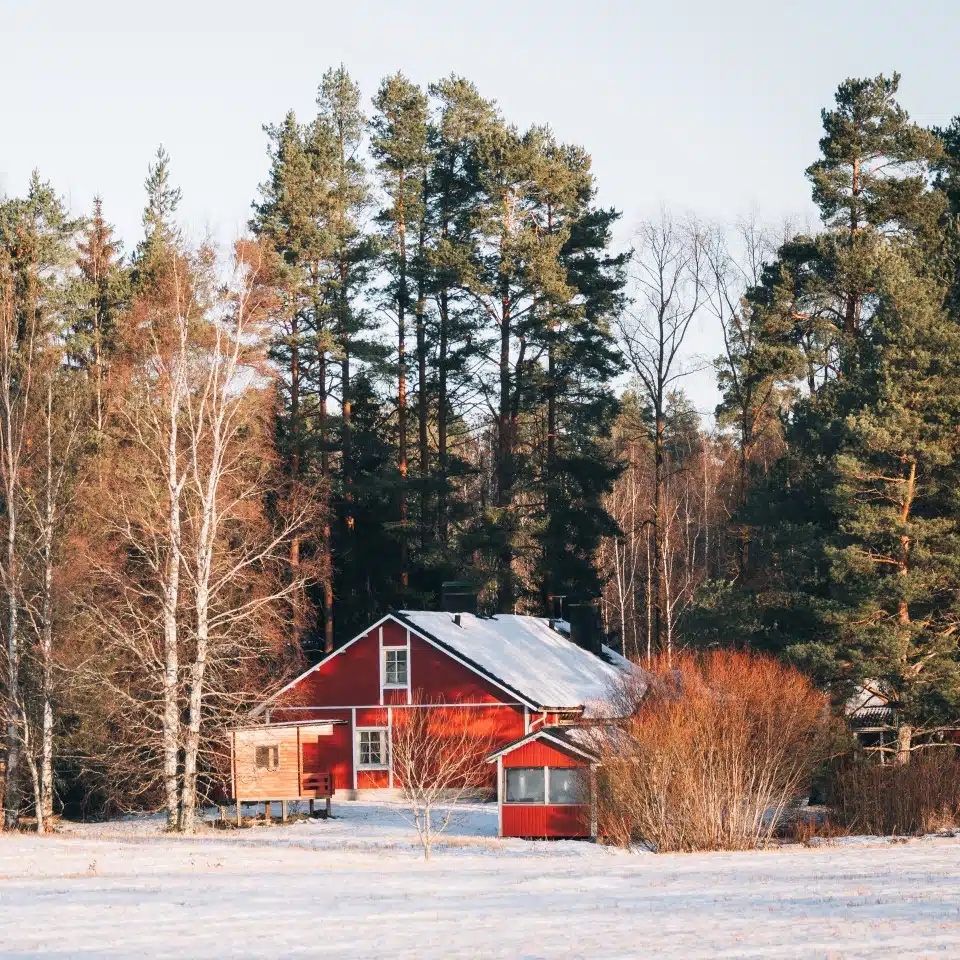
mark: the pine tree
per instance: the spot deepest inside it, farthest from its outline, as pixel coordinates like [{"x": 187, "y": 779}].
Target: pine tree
[
  {"x": 399, "y": 144},
  {"x": 295, "y": 216},
  {"x": 455, "y": 190}
]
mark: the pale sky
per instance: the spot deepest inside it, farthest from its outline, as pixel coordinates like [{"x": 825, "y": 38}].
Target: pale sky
[{"x": 702, "y": 106}]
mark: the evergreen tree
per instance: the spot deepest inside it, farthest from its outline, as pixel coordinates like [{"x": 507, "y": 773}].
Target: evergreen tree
[
  {"x": 399, "y": 144},
  {"x": 858, "y": 527}
]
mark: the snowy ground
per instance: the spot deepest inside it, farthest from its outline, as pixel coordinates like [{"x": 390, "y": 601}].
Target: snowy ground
[{"x": 358, "y": 887}]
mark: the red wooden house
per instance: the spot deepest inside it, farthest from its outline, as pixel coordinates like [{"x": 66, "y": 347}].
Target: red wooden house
[{"x": 516, "y": 674}]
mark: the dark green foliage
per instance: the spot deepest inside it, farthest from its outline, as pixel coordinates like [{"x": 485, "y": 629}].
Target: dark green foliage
[{"x": 856, "y": 533}]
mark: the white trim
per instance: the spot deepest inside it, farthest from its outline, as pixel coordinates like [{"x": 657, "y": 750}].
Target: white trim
[
  {"x": 409, "y": 670},
  {"x": 390, "y": 744},
  {"x": 433, "y": 643},
  {"x": 540, "y": 735},
  {"x": 526, "y": 721},
  {"x": 546, "y": 802},
  {"x": 500, "y": 797},
  {"x": 353, "y": 741},
  {"x": 593, "y": 801},
  {"x": 376, "y": 706},
  {"x": 386, "y": 649},
  {"x": 382, "y": 664},
  {"x": 386, "y": 744}
]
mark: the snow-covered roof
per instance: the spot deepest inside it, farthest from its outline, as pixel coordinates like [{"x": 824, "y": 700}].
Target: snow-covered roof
[{"x": 529, "y": 657}]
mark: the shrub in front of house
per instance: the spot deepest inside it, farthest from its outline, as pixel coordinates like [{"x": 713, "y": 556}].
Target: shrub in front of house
[{"x": 716, "y": 748}]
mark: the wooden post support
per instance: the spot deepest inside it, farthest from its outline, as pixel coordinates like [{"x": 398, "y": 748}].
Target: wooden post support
[
  {"x": 267, "y": 810},
  {"x": 312, "y": 808},
  {"x": 326, "y": 812},
  {"x": 223, "y": 813},
  {"x": 283, "y": 811},
  {"x": 239, "y": 813}
]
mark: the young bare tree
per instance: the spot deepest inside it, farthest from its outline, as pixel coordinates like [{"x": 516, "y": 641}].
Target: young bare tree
[
  {"x": 671, "y": 286},
  {"x": 236, "y": 582},
  {"x": 438, "y": 756},
  {"x": 193, "y": 567},
  {"x": 57, "y": 420}
]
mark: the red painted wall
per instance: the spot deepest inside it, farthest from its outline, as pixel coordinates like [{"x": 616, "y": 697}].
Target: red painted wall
[
  {"x": 436, "y": 676},
  {"x": 540, "y": 820},
  {"x": 540, "y": 754}
]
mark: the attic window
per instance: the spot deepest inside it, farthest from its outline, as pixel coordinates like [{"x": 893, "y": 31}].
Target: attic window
[
  {"x": 267, "y": 757},
  {"x": 395, "y": 668}
]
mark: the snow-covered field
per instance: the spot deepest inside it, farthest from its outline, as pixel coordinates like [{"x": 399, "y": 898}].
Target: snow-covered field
[{"x": 357, "y": 887}]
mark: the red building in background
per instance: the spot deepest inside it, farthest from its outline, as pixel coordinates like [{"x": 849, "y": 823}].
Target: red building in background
[{"x": 516, "y": 674}]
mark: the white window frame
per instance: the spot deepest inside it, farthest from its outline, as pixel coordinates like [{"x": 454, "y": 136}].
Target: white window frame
[
  {"x": 387, "y": 685},
  {"x": 384, "y": 744},
  {"x": 546, "y": 802}
]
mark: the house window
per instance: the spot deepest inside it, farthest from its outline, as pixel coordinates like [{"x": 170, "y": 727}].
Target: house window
[
  {"x": 372, "y": 749},
  {"x": 395, "y": 670},
  {"x": 525, "y": 785},
  {"x": 568, "y": 785},
  {"x": 267, "y": 757}
]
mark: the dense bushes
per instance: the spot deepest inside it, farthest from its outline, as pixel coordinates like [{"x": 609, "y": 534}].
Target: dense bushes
[
  {"x": 715, "y": 747},
  {"x": 919, "y": 797}
]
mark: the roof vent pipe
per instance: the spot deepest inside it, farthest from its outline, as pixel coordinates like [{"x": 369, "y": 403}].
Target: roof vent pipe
[{"x": 456, "y": 619}]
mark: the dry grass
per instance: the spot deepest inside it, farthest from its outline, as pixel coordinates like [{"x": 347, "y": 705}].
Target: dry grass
[
  {"x": 716, "y": 748},
  {"x": 920, "y": 797}
]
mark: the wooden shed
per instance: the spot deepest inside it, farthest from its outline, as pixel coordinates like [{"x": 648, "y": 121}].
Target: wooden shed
[
  {"x": 546, "y": 785},
  {"x": 280, "y": 761}
]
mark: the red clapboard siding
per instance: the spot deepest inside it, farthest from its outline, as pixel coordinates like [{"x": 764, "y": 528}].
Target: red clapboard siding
[
  {"x": 537, "y": 753},
  {"x": 540, "y": 820},
  {"x": 436, "y": 676},
  {"x": 343, "y": 680}
]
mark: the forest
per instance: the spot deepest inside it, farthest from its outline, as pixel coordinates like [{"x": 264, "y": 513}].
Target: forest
[{"x": 427, "y": 360}]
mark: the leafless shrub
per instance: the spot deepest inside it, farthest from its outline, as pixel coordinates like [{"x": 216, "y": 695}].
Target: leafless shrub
[
  {"x": 716, "y": 747},
  {"x": 438, "y": 757},
  {"x": 922, "y": 796}
]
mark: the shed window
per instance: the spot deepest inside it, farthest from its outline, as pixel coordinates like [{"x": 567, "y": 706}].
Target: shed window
[
  {"x": 267, "y": 757},
  {"x": 568, "y": 785},
  {"x": 525, "y": 785},
  {"x": 395, "y": 668},
  {"x": 372, "y": 748}
]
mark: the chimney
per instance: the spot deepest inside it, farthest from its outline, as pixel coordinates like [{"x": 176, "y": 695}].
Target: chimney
[
  {"x": 458, "y": 596},
  {"x": 586, "y": 629},
  {"x": 456, "y": 619}
]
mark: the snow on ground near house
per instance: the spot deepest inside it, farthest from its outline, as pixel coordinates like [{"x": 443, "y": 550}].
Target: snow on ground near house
[{"x": 357, "y": 887}]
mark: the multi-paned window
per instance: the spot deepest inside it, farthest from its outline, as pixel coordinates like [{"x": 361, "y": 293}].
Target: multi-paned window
[
  {"x": 395, "y": 668},
  {"x": 372, "y": 749},
  {"x": 267, "y": 757},
  {"x": 550, "y": 785}
]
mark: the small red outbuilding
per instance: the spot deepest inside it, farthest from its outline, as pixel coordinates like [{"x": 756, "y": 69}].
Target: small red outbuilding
[{"x": 546, "y": 785}]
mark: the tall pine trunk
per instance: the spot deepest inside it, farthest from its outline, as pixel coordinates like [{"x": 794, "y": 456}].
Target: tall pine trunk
[
  {"x": 505, "y": 592},
  {"x": 402, "y": 298},
  {"x": 422, "y": 376}
]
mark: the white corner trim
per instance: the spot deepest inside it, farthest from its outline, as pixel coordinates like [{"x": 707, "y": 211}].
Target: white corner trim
[
  {"x": 390, "y": 742},
  {"x": 353, "y": 741},
  {"x": 499, "y": 796}
]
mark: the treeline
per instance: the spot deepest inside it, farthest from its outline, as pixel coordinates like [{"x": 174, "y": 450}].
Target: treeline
[
  {"x": 214, "y": 469},
  {"x": 820, "y": 518}
]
